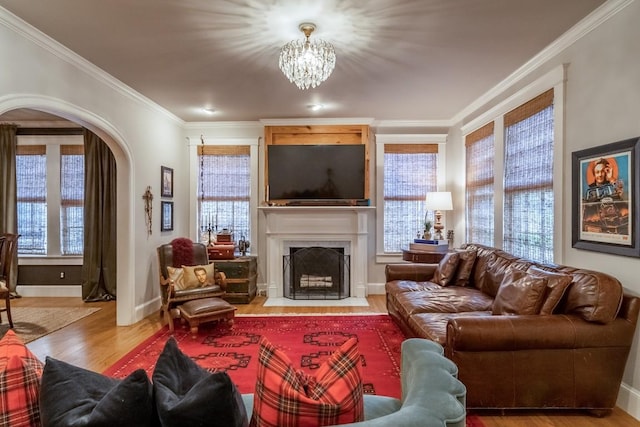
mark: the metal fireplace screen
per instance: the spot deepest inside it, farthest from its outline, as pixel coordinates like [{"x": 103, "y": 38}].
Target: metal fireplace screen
[{"x": 316, "y": 273}]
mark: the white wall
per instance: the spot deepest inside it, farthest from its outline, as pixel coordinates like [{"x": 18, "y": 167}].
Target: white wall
[
  {"x": 40, "y": 74},
  {"x": 602, "y": 105}
]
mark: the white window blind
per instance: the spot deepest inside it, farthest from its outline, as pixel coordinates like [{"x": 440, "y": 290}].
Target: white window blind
[
  {"x": 224, "y": 187},
  {"x": 71, "y": 199},
  {"x": 410, "y": 171},
  {"x": 31, "y": 183},
  {"x": 480, "y": 150},
  {"x": 528, "y": 179}
]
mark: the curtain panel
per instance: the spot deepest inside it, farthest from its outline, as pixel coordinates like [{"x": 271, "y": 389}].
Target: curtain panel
[
  {"x": 8, "y": 189},
  {"x": 99, "y": 261}
]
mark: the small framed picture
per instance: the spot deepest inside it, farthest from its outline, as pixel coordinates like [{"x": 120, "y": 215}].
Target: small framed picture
[
  {"x": 166, "y": 181},
  {"x": 166, "y": 216},
  {"x": 605, "y": 198}
]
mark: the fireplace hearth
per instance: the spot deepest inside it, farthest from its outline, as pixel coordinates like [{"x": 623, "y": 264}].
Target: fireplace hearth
[{"x": 314, "y": 272}]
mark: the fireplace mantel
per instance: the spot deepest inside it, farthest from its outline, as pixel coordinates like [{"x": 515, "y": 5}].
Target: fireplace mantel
[{"x": 305, "y": 225}]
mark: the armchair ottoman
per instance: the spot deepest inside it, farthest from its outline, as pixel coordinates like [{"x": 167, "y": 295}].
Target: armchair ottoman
[{"x": 205, "y": 310}]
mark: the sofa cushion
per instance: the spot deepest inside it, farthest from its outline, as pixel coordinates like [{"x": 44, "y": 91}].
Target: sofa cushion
[
  {"x": 520, "y": 293},
  {"x": 73, "y": 396},
  {"x": 465, "y": 266},
  {"x": 447, "y": 268},
  {"x": 20, "y": 373},
  {"x": 188, "y": 395},
  {"x": 285, "y": 396},
  {"x": 450, "y": 299},
  {"x": 399, "y": 286},
  {"x": 485, "y": 256},
  {"x": 594, "y": 296},
  {"x": 557, "y": 284},
  {"x": 198, "y": 276}
]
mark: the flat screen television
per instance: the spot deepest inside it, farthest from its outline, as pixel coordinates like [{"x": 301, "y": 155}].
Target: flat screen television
[{"x": 316, "y": 173}]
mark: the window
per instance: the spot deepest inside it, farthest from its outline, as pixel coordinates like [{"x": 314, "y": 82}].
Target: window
[
  {"x": 50, "y": 196},
  {"x": 479, "y": 185},
  {"x": 410, "y": 171},
  {"x": 31, "y": 181},
  {"x": 528, "y": 179},
  {"x": 525, "y": 195},
  {"x": 71, "y": 199},
  {"x": 224, "y": 187}
]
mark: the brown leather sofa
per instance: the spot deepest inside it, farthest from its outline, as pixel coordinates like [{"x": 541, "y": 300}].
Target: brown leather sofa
[{"x": 523, "y": 335}]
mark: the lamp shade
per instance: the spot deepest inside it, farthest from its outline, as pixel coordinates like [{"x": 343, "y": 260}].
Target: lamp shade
[{"x": 439, "y": 201}]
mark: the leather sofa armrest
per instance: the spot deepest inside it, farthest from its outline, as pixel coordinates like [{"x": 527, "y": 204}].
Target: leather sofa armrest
[
  {"x": 414, "y": 272},
  {"x": 510, "y": 333}
]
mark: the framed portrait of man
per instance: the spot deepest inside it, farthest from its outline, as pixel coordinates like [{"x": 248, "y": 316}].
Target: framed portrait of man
[{"x": 605, "y": 198}]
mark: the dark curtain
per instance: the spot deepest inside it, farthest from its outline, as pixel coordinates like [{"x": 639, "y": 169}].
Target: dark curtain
[
  {"x": 8, "y": 189},
  {"x": 99, "y": 263}
]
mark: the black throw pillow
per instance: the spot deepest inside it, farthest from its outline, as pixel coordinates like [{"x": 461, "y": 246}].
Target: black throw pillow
[
  {"x": 188, "y": 395},
  {"x": 73, "y": 396}
]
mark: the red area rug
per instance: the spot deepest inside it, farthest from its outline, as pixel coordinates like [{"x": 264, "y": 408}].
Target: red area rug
[{"x": 307, "y": 340}]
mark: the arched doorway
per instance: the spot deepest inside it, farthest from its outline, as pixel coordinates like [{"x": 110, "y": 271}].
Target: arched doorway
[{"x": 11, "y": 108}]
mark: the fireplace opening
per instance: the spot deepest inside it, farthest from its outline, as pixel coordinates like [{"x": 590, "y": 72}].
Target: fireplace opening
[{"x": 316, "y": 273}]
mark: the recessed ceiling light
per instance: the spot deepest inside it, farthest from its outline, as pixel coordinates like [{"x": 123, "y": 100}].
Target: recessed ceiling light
[
  {"x": 315, "y": 107},
  {"x": 209, "y": 110}
]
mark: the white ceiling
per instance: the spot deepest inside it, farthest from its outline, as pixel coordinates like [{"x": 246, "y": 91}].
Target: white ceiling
[{"x": 409, "y": 60}]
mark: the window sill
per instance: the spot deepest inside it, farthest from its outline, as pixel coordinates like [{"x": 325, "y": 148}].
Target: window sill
[
  {"x": 49, "y": 260},
  {"x": 388, "y": 258}
]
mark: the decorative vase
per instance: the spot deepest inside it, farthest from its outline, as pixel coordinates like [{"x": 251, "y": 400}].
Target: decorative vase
[{"x": 426, "y": 235}]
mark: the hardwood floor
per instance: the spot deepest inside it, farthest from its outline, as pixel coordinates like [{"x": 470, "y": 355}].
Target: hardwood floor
[{"x": 95, "y": 343}]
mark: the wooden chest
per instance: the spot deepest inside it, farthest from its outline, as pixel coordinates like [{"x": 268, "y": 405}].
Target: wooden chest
[{"x": 242, "y": 274}]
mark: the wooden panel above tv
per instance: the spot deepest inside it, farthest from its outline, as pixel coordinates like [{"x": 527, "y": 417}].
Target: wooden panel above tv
[
  {"x": 320, "y": 135},
  {"x": 316, "y": 134}
]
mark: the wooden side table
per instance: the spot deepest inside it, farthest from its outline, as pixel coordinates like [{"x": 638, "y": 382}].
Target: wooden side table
[
  {"x": 242, "y": 273},
  {"x": 422, "y": 256}
]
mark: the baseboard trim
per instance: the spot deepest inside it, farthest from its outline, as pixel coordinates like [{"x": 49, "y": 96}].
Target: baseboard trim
[
  {"x": 375, "y": 289},
  {"x": 49, "y": 291},
  {"x": 148, "y": 308},
  {"x": 629, "y": 400}
]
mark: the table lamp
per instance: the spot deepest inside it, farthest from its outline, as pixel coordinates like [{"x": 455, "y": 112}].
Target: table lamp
[{"x": 438, "y": 201}]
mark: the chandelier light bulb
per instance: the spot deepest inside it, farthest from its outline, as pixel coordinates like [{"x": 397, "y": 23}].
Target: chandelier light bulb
[{"x": 307, "y": 63}]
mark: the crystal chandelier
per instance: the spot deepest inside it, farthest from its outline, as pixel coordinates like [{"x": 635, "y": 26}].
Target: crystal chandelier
[{"x": 307, "y": 63}]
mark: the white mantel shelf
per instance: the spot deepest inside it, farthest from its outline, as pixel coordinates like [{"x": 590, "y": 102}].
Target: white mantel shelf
[{"x": 288, "y": 226}]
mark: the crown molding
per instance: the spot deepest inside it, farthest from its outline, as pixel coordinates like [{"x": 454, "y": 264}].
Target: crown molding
[
  {"x": 413, "y": 123},
  {"x": 426, "y": 138},
  {"x": 60, "y": 51},
  {"x": 575, "y": 33},
  {"x": 317, "y": 121},
  {"x": 551, "y": 79},
  {"x": 224, "y": 125},
  {"x": 198, "y": 140}
]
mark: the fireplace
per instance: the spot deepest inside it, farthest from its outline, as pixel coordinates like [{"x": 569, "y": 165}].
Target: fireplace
[
  {"x": 343, "y": 227},
  {"x": 317, "y": 273}
]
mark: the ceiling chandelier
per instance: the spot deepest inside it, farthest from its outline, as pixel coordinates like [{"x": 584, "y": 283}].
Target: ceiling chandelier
[{"x": 307, "y": 63}]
